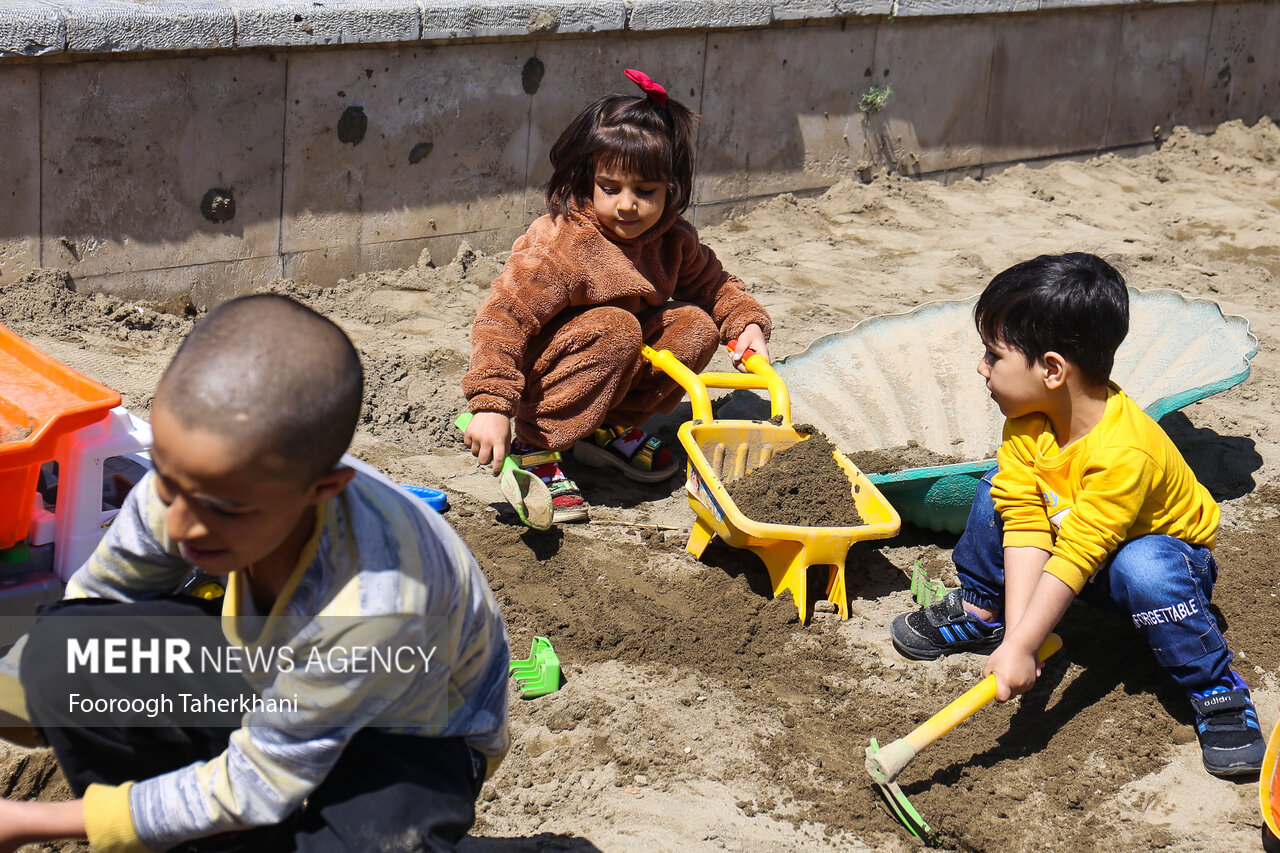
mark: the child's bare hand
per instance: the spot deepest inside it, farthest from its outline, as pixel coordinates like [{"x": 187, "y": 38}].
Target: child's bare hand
[
  {"x": 23, "y": 822},
  {"x": 12, "y": 818},
  {"x": 1016, "y": 670},
  {"x": 488, "y": 437},
  {"x": 752, "y": 337}
]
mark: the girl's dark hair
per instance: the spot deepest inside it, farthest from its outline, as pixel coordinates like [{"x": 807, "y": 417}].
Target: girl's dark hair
[
  {"x": 1074, "y": 304},
  {"x": 632, "y": 134}
]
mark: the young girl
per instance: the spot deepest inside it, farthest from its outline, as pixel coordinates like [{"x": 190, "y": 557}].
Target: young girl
[{"x": 612, "y": 266}]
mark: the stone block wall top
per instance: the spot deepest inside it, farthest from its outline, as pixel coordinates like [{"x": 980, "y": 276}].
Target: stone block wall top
[
  {"x": 296, "y": 23},
  {"x": 482, "y": 18},
  {"x": 32, "y": 28},
  {"x": 110, "y": 26}
]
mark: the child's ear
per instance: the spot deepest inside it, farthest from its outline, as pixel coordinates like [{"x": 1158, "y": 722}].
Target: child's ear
[
  {"x": 330, "y": 485},
  {"x": 1055, "y": 370}
]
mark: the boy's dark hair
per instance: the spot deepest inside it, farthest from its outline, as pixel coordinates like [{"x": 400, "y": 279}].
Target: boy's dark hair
[
  {"x": 629, "y": 133},
  {"x": 269, "y": 374},
  {"x": 1074, "y": 304}
]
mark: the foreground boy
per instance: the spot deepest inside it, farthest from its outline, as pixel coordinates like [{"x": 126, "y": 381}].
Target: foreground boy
[
  {"x": 1090, "y": 498},
  {"x": 378, "y": 730}
]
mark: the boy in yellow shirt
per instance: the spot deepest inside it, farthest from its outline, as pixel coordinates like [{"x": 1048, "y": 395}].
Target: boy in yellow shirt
[{"x": 1090, "y": 498}]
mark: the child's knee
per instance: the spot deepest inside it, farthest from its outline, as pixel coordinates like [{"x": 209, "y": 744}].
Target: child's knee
[
  {"x": 1153, "y": 571},
  {"x": 696, "y": 323},
  {"x": 617, "y": 329},
  {"x": 703, "y": 334},
  {"x": 690, "y": 334}
]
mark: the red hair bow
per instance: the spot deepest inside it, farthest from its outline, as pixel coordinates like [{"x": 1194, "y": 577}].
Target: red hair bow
[{"x": 654, "y": 90}]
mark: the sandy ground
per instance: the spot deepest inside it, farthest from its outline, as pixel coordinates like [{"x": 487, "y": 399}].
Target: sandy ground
[{"x": 699, "y": 714}]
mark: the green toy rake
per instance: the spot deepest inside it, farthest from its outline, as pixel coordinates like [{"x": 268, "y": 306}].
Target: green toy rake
[
  {"x": 884, "y": 763},
  {"x": 538, "y": 674}
]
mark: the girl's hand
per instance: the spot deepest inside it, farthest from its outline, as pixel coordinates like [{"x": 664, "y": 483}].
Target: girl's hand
[
  {"x": 488, "y": 437},
  {"x": 752, "y": 337},
  {"x": 1016, "y": 670}
]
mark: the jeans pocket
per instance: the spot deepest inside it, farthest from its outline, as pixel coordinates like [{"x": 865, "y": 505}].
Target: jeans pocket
[
  {"x": 1186, "y": 630},
  {"x": 1184, "y": 651},
  {"x": 1204, "y": 571}
]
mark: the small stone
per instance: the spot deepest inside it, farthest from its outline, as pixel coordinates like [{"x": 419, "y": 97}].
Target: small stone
[{"x": 642, "y": 779}]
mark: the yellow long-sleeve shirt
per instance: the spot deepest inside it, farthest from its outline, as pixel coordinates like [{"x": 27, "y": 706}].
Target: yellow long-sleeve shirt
[{"x": 1122, "y": 480}]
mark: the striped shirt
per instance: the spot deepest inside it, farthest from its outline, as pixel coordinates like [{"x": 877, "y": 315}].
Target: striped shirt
[{"x": 381, "y": 571}]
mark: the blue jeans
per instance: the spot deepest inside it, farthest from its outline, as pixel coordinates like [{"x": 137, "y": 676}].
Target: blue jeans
[{"x": 1161, "y": 583}]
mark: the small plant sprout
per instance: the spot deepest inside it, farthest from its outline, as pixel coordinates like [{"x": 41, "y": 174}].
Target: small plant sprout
[{"x": 874, "y": 99}]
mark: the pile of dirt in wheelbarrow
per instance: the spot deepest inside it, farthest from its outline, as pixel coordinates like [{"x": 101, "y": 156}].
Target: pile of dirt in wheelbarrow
[
  {"x": 802, "y": 485},
  {"x": 697, "y": 713}
]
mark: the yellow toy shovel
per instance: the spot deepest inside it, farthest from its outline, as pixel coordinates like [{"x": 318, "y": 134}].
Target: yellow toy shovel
[
  {"x": 524, "y": 490},
  {"x": 885, "y": 764}
]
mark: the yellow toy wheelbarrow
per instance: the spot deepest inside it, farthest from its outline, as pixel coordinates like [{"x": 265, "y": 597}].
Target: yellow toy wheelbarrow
[{"x": 723, "y": 451}]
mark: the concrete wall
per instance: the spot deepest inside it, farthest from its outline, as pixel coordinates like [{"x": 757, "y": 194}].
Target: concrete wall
[{"x": 158, "y": 147}]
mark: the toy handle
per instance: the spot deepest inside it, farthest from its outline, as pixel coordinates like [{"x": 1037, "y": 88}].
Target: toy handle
[
  {"x": 509, "y": 462},
  {"x": 746, "y": 354},
  {"x": 885, "y": 763},
  {"x": 968, "y": 703},
  {"x": 761, "y": 376}
]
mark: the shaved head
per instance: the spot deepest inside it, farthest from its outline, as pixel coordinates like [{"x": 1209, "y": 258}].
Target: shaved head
[{"x": 275, "y": 379}]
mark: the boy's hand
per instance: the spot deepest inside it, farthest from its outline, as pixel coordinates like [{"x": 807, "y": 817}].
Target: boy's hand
[
  {"x": 25, "y": 822},
  {"x": 488, "y": 437},
  {"x": 1015, "y": 668},
  {"x": 1015, "y": 663},
  {"x": 752, "y": 337}
]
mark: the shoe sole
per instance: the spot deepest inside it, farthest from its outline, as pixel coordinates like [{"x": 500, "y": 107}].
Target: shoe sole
[
  {"x": 571, "y": 515},
  {"x": 935, "y": 653},
  {"x": 1240, "y": 768},
  {"x": 914, "y": 654},
  {"x": 589, "y": 453},
  {"x": 1231, "y": 772}
]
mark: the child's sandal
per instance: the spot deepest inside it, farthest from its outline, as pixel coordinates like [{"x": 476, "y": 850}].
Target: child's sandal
[
  {"x": 637, "y": 455},
  {"x": 567, "y": 503}
]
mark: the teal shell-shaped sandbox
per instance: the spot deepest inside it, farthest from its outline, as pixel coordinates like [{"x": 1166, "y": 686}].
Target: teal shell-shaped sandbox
[{"x": 913, "y": 377}]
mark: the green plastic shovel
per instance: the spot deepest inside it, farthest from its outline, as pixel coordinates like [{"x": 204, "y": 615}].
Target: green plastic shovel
[{"x": 525, "y": 491}]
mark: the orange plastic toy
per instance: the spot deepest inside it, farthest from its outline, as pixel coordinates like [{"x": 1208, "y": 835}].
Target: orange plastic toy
[
  {"x": 41, "y": 399},
  {"x": 1269, "y": 784}
]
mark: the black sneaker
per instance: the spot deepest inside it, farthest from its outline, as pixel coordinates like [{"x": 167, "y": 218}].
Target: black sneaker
[
  {"x": 943, "y": 628},
  {"x": 1231, "y": 742}
]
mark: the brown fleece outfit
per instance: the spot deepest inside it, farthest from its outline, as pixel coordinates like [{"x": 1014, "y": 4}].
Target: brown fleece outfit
[{"x": 556, "y": 346}]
